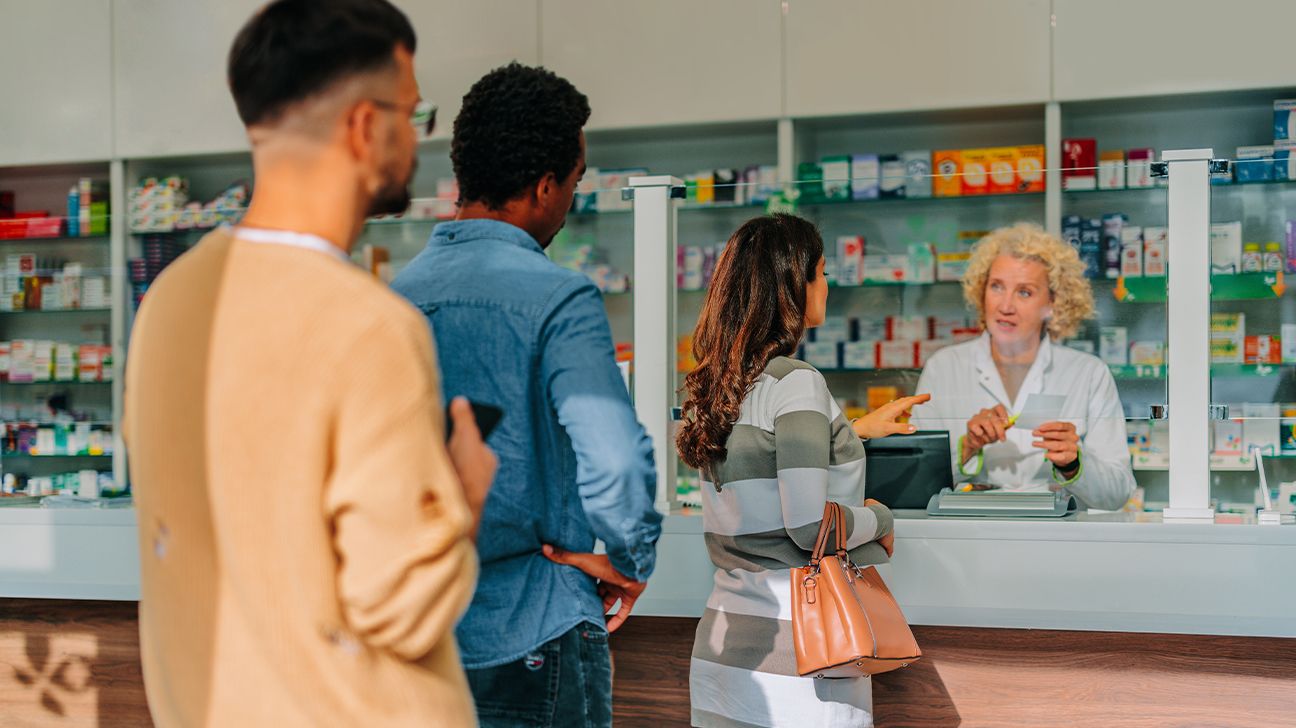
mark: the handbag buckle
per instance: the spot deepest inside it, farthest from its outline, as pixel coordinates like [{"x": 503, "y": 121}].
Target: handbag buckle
[{"x": 808, "y": 584}]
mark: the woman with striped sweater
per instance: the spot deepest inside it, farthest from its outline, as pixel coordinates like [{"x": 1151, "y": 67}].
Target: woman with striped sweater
[{"x": 773, "y": 447}]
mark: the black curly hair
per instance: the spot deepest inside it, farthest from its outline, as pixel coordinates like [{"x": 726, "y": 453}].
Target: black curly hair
[{"x": 517, "y": 124}]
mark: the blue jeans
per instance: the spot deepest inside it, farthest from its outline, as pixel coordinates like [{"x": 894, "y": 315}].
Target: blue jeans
[{"x": 566, "y": 683}]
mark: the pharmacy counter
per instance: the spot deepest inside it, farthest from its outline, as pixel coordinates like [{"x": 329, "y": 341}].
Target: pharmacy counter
[
  {"x": 1086, "y": 572},
  {"x": 68, "y": 554}
]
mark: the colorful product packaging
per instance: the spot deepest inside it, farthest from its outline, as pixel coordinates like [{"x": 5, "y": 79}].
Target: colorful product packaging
[
  {"x": 1156, "y": 241},
  {"x": 976, "y": 171},
  {"x": 892, "y": 182},
  {"x": 1111, "y": 170},
  {"x": 1254, "y": 164},
  {"x": 836, "y": 177},
  {"x": 1138, "y": 168},
  {"x": 1030, "y": 168},
  {"x": 850, "y": 260},
  {"x": 1079, "y": 164},
  {"x": 1262, "y": 349},
  {"x": 1002, "y": 169},
  {"x": 860, "y": 354},
  {"x": 1112, "y": 345},
  {"x": 1226, "y": 247},
  {"x": 947, "y": 166},
  {"x": 918, "y": 173},
  {"x": 865, "y": 176}
]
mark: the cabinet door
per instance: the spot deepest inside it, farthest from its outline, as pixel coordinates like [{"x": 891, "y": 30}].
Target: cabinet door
[
  {"x": 850, "y": 57},
  {"x": 459, "y": 42},
  {"x": 55, "y": 89},
  {"x": 1115, "y": 48},
  {"x": 666, "y": 61},
  {"x": 171, "y": 89}
]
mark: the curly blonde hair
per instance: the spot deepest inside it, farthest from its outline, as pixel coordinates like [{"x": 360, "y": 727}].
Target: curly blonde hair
[{"x": 1069, "y": 289}]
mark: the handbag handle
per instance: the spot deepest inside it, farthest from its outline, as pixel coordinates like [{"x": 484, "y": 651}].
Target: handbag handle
[{"x": 833, "y": 519}]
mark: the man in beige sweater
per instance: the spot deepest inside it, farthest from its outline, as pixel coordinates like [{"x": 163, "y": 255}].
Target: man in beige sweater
[{"x": 305, "y": 535}]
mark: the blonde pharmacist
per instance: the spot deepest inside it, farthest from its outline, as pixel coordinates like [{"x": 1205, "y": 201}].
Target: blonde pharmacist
[{"x": 1029, "y": 291}]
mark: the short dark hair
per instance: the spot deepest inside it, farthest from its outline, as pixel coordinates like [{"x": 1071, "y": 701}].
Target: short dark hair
[
  {"x": 293, "y": 49},
  {"x": 517, "y": 124}
]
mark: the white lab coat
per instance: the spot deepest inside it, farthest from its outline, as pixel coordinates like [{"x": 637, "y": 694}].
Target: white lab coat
[{"x": 963, "y": 380}]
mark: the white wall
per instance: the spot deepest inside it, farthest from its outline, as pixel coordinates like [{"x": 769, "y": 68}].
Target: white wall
[
  {"x": 172, "y": 97},
  {"x": 667, "y": 61},
  {"x": 55, "y": 81},
  {"x": 1115, "y": 48},
  {"x": 847, "y": 57}
]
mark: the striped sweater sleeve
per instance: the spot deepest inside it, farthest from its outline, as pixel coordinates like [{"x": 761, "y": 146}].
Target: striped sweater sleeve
[{"x": 803, "y": 412}]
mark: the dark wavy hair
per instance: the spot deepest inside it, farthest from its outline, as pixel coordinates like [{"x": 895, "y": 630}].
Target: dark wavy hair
[
  {"x": 292, "y": 49},
  {"x": 754, "y": 311},
  {"x": 517, "y": 124}
]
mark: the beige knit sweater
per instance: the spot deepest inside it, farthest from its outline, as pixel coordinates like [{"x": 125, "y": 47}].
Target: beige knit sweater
[{"x": 303, "y": 536}]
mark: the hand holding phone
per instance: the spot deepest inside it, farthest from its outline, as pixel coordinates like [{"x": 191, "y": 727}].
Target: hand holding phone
[{"x": 473, "y": 462}]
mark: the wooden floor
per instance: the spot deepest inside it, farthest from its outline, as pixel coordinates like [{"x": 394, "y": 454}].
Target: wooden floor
[{"x": 77, "y": 664}]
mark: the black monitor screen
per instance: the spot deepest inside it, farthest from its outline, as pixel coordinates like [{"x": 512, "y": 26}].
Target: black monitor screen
[{"x": 905, "y": 471}]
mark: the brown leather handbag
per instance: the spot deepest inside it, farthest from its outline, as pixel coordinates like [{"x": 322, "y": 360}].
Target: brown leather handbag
[{"x": 845, "y": 623}]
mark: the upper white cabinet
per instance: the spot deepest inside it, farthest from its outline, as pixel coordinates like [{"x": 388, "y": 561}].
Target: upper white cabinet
[
  {"x": 655, "y": 62},
  {"x": 56, "y": 84},
  {"x": 172, "y": 94},
  {"x": 458, "y": 42},
  {"x": 1115, "y": 48},
  {"x": 850, "y": 56}
]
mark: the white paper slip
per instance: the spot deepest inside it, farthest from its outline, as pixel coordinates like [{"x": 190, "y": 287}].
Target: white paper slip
[{"x": 1039, "y": 409}]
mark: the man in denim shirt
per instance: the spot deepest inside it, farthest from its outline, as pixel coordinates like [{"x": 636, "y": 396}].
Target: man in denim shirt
[{"x": 515, "y": 330}]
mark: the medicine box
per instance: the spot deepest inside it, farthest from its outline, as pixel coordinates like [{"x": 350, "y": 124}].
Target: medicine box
[
  {"x": 1227, "y": 338},
  {"x": 951, "y": 266},
  {"x": 1226, "y": 247},
  {"x": 860, "y": 354},
  {"x": 865, "y": 171},
  {"x": 1113, "y": 346},
  {"x": 947, "y": 166},
  {"x": 976, "y": 177},
  {"x": 1260, "y": 427},
  {"x": 897, "y": 354},
  {"x": 1138, "y": 167},
  {"x": 1030, "y": 168},
  {"x": 1147, "y": 353},
  {"x": 907, "y": 327},
  {"x": 888, "y": 268},
  {"x": 1132, "y": 252},
  {"x": 1284, "y": 160},
  {"x": 892, "y": 182},
  {"x": 1288, "y": 343},
  {"x": 850, "y": 260},
  {"x": 834, "y": 328},
  {"x": 918, "y": 173},
  {"x": 1111, "y": 169},
  {"x": 823, "y": 354},
  {"x": 1228, "y": 437},
  {"x": 836, "y": 177},
  {"x": 1156, "y": 240},
  {"x": 1284, "y": 119},
  {"x": 1262, "y": 349},
  {"x": 1254, "y": 164},
  {"x": 1079, "y": 164},
  {"x": 1001, "y": 165}
]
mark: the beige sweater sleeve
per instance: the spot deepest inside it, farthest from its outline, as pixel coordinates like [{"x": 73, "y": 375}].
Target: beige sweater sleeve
[{"x": 407, "y": 567}]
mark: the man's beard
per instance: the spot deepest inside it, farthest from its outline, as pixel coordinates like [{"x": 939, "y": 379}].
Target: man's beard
[{"x": 393, "y": 198}]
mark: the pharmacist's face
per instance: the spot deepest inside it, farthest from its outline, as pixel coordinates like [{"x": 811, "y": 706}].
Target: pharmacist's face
[
  {"x": 816, "y": 297},
  {"x": 1017, "y": 300}
]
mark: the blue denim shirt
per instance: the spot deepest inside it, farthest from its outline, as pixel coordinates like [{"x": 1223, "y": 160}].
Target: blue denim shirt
[{"x": 515, "y": 330}]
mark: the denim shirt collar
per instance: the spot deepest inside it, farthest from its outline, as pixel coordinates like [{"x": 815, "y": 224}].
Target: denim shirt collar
[{"x": 467, "y": 231}]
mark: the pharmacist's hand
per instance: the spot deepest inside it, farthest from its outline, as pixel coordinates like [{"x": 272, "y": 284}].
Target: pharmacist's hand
[
  {"x": 613, "y": 587},
  {"x": 1060, "y": 443},
  {"x": 473, "y": 461},
  {"x": 882, "y": 421},
  {"x": 985, "y": 427},
  {"x": 887, "y": 542}
]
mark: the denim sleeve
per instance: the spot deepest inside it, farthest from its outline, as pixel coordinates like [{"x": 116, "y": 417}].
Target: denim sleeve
[{"x": 615, "y": 473}]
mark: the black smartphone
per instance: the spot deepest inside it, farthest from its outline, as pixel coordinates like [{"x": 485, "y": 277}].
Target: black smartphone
[{"x": 487, "y": 417}]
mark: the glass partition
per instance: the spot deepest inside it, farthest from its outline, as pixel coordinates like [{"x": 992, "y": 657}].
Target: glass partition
[{"x": 1253, "y": 329}]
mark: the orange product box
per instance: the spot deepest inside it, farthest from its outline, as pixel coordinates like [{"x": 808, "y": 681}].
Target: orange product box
[
  {"x": 976, "y": 171},
  {"x": 684, "y": 361},
  {"x": 881, "y": 396},
  {"x": 947, "y": 170},
  {"x": 1001, "y": 167},
  {"x": 1262, "y": 350},
  {"x": 1030, "y": 168}
]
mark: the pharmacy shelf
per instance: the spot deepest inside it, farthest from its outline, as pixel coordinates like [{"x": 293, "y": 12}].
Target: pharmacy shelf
[
  {"x": 1023, "y": 196},
  {"x": 46, "y": 311},
  {"x": 1218, "y": 463},
  {"x": 60, "y": 239},
  {"x": 1143, "y": 371},
  {"x": 26, "y": 456},
  {"x": 53, "y": 383},
  {"x": 1228, "y": 186},
  {"x": 1228, "y": 287}
]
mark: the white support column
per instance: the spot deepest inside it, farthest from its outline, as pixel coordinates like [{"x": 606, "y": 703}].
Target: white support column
[
  {"x": 1053, "y": 168},
  {"x": 787, "y": 156},
  {"x": 120, "y": 302},
  {"x": 1188, "y": 308},
  {"x": 654, "y": 321}
]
